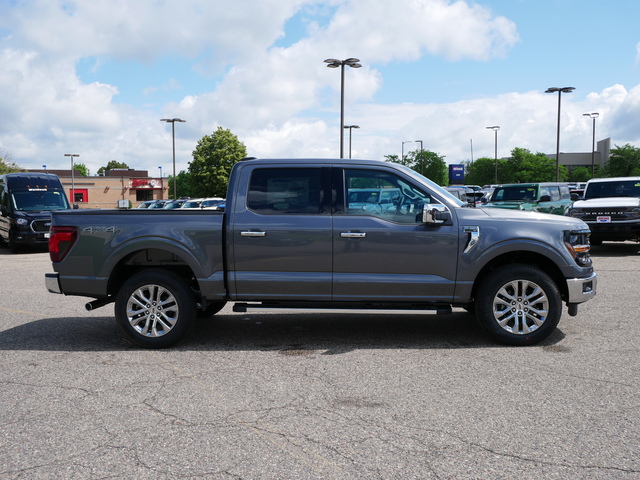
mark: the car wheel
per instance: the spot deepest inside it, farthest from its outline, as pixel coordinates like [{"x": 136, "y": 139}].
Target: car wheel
[
  {"x": 154, "y": 309},
  {"x": 14, "y": 246},
  {"x": 518, "y": 305}
]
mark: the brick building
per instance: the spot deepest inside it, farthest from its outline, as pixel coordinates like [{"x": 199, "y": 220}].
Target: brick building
[{"x": 106, "y": 191}]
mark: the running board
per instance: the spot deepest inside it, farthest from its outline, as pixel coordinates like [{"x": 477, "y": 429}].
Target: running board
[{"x": 395, "y": 309}]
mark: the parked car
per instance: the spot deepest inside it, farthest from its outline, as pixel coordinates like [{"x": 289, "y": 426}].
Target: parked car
[
  {"x": 211, "y": 203},
  {"x": 158, "y": 204},
  {"x": 372, "y": 199},
  {"x": 192, "y": 204},
  {"x": 172, "y": 204},
  {"x": 548, "y": 197},
  {"x": 146, "y": 203}
]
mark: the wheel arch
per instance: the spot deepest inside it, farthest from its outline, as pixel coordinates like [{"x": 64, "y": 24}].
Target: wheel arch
[
  {"x": 535, "y": 259},
  {"x": 158, "y": 257}
]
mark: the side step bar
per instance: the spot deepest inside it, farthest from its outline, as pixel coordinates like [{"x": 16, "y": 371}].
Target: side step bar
[{"x": 395, "y": 309}]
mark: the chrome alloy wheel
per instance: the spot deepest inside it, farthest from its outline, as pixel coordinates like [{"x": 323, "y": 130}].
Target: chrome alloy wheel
[
  {"x": 152, "y": 310},
  {"x": 520, "y": 307}
]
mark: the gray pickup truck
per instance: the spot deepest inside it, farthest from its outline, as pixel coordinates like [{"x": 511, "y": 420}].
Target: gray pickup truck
[{"x": 289, "y": 238}]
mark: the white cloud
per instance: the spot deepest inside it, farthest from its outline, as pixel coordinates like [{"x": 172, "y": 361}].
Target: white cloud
[{"x": 280, "y": 101}]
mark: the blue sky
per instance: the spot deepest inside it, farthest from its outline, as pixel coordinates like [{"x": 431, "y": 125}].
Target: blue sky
[{"x": 95, "y": 77}]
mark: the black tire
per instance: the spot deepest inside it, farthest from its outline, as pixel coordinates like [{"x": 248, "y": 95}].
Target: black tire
[
  {"x": 14, "y": 246},
  {"x": 211, "y": 310},
  {"x": 518, "y": 305},
  {"x": 154, "y": 309}
]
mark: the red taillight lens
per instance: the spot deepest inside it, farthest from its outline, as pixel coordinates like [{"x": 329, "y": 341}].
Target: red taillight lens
[{"x": 61, "y": 241}]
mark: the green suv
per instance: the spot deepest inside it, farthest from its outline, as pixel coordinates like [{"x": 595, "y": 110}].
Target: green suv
[{"x": 549, "y": 197}]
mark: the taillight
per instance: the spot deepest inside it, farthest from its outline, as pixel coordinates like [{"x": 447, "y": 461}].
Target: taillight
[{"x": 61, "y": 241}]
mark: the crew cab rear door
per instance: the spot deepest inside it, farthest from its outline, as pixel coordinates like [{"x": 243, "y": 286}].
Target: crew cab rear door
[
  {"x": 385, "y": 253},
  {"x": 280, "y": 245}
]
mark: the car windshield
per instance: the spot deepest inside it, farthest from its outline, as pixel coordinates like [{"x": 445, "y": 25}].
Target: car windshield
[
  {"x": 35, "y": 201},
  {"x": 515, "y": 193},
  {"x": 620, "y": 188}
]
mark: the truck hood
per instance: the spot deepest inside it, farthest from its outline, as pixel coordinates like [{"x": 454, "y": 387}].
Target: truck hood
[
  {"x": 497, "y": 214},
  {"x": 608, "y": 202},
  {"x": 505, "y": 204}
]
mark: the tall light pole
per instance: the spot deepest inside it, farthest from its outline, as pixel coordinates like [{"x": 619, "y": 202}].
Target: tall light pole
[
  {"x": 350, "y": 127},
  {"x": 593, "y": 116},
  {"x": 173, "y": 121},
  {"x": 560, "y": 91},
  {"x": 402, "y": 158},
  {"x": 73, "y": 186},
  {"x": 334, "y": 63},
  {"x": 421, "y": 162},
  {"x": 495, "y": 129}
]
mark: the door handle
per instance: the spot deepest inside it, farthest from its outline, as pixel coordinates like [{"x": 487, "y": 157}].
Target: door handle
[
  {"x": 353, "y": 234},
  {"x": 253, "y": 234}
]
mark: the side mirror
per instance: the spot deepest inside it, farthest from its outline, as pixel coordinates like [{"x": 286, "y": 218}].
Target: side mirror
[
  {"x": 435, "y": 214},
  {"x": 575, "y": 196},
  {"x": 545, "y": 198}
]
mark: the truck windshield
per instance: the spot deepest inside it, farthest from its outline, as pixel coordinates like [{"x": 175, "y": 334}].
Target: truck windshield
[
  {"x": 33, "y": 201},
  {"x": 620, "y": 188},
  {"x": 515, "y": 193}
]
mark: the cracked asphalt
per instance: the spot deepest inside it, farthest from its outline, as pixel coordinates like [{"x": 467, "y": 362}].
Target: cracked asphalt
[{"x": 318, "y": 396}]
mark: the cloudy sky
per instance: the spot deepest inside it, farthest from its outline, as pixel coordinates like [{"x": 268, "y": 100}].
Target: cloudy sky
[{"x": 94, "y": 77}]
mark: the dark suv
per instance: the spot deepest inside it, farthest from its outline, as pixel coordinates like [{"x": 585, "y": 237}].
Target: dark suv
[{"x": 26, "y": 202}]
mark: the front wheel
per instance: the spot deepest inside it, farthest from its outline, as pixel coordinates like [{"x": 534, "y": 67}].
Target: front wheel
[
  {"x": 518, "y": 305},
  {"x": 154, "y": 309}
]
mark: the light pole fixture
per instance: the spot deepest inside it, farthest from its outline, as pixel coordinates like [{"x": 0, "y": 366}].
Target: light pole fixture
[
  {"x": 495, "y": 129},
  {"x": 560, "y": 91},
  {"x": 73, "y": 186},
  {"x": 593, "y": 116},
  {"x": 402, "y": 157},
  {"x": 334, "y": 63},
  {"x": 421, "y": 162},
  {"x": 350, "y": 127},
  {"x": 173, "y": 121}
]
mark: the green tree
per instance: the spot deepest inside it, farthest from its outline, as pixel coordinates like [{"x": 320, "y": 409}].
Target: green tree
[
  {"x": 111, "y": 165},
  {"x": 213, "y": 159},
  {"x": 183, "y": 185},
  {"x": 482, "y": 171},
  {"x": 526, "y": 167},
  {"x": 429, "y": 164},
  {"x": 623, "y": 162},
  {"x": 6, "y": 165},
  {"x": 580, "y": 174},
  {"x": 82, "y": 168}
]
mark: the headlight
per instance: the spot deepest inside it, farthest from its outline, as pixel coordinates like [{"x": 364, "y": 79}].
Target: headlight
[
  {"x": 577, "y": 243},
  {"x": 22, "y": 221},
  {"x": 574, "y": 212},
  {"x": 635, "y": 213}
]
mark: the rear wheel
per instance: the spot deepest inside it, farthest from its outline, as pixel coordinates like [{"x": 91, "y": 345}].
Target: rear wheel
[
  {"x": 154, "y": 309},
  {"x": 518, "y": 305}
]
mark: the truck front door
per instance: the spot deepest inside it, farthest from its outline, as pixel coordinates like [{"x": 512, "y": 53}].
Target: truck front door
[{"x": 387, "y": 254}]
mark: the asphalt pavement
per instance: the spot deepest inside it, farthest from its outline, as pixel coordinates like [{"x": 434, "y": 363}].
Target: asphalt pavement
[{"x": 318, "y": 396}]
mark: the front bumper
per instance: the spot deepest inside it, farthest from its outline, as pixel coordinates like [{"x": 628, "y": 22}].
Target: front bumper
[{"x": 580, "y": 290}]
